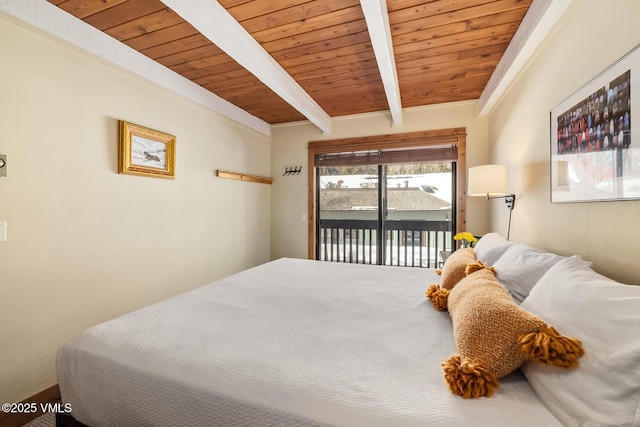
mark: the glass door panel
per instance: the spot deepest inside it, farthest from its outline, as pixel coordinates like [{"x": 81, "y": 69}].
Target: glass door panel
[
  {"x": 348, "y": 214},
  {"x": 418, "y": 222}
]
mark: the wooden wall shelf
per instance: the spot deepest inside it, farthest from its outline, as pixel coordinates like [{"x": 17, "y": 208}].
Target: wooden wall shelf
[{"x": 243, "y": 177}]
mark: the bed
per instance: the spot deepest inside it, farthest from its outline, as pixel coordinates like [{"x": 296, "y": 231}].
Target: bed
[{"x": 288, "y": 343}]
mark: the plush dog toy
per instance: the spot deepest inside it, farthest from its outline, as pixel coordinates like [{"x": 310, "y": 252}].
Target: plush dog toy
[{"x": 494, "y": 336}]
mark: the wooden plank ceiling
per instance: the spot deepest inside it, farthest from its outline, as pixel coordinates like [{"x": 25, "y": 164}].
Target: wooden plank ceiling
[{"x": 445, "y": 50}]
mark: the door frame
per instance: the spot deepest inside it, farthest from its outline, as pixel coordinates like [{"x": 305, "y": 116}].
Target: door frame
[{"x": 422, "y": 139}]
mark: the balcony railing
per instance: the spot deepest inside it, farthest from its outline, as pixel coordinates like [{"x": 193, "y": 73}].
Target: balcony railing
[{"x": 407, "y": 243}]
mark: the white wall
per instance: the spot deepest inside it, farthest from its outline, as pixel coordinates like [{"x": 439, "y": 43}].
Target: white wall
[
  {"x": 592, "y": 36},
  {"x": 289, "y": 148},
  {"x": 86, "y": 244}
]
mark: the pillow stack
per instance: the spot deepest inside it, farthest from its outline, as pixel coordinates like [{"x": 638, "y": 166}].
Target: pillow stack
[
  {"x": 518, "y": 266},
  {"x": 493, "y": 335}
]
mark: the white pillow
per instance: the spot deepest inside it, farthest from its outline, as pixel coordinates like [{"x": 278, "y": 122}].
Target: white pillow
[
  {"x": 520, "y": 268},
  {"x": 605, "y": 315},
  {"x": 491, "y": 247}
]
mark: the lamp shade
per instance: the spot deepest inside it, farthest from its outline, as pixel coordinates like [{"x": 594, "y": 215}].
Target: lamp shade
[{"x": 487, "y": 180}]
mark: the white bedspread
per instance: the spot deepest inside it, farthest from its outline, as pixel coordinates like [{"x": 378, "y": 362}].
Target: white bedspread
[{"x": 288, "y": 343}]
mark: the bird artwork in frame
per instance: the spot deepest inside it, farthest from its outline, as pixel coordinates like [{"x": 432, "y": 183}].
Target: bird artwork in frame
[{"x": 144, "y": 151}]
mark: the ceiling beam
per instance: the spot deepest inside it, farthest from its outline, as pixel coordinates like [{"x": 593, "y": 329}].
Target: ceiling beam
[
  {"x": 56, "y": 22},
  {"x": 216, "y": 24},
  {"x": 534, "y": 28},
  {"x": 377, "y": 17}
]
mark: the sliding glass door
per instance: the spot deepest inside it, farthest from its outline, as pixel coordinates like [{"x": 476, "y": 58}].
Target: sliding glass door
[
  {"x": 387, "y": 199},
  {"x": 387, "y": 214}
]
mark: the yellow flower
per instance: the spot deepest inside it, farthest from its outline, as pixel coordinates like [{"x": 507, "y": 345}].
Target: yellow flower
[{"x": 465, "y": 235}]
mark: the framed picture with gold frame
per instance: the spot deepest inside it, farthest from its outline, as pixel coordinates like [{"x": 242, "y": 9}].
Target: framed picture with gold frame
[{"x": 147, "y": 152}]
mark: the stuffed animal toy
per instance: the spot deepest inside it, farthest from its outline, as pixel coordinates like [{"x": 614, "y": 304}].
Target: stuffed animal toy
[{"x": 494, "y": 336}]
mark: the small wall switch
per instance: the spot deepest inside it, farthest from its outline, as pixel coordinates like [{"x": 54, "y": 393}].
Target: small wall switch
[
  {"x": 303, "y": 216},
  {"x": 3, "y": 165},
  {"x": 3, "y": 230}
]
